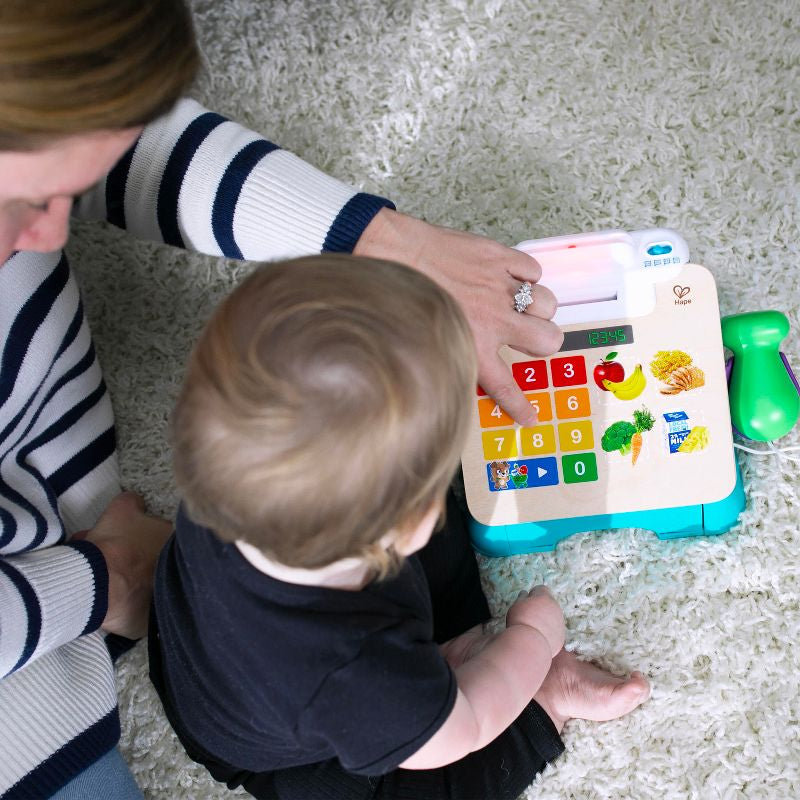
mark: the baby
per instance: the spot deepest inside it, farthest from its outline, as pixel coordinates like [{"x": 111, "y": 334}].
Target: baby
[{"x": 318, "y": 615}]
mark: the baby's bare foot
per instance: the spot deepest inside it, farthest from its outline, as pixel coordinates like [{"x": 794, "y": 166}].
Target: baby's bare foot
[{"x": 575, "y": 689}]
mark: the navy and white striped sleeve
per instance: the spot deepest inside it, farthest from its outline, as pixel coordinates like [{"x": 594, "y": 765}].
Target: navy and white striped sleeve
[
  {"x": 197, "y": 180},
  {"x": 49, "y": 597}
]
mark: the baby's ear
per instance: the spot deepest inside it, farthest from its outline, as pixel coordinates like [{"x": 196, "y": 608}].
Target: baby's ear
[
  {"x": 402, "y": 542},
  {"x": 416, "y": 536}
]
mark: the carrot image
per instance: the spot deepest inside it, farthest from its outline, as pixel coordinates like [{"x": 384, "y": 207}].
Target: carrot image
[
  {"x": 636, "y": 446},
  {"x": 643, "y": 421}
]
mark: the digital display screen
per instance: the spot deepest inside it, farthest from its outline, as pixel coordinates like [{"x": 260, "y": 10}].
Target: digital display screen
[{"x": 597, "y": 337}]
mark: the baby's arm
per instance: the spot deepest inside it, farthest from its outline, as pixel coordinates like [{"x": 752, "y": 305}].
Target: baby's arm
[{"x": 496, "y": 684}]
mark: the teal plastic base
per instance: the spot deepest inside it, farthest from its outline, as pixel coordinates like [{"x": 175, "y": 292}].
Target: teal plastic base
[{"x": 709, "y": 519}]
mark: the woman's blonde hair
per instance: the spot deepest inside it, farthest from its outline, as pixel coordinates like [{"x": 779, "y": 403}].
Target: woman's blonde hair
[
  {"x": 75, "y": 66},
  {"x": 325, "y": 405}
]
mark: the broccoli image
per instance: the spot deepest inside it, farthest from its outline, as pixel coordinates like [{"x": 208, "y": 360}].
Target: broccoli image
[{"x": 618, "y": 437}]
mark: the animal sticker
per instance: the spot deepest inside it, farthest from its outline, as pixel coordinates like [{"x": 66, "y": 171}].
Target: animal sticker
[{"x": 501, "y": 474}]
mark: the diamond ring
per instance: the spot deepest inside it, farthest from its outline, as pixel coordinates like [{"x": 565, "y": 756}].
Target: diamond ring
[{"x": 524, "y": 297}]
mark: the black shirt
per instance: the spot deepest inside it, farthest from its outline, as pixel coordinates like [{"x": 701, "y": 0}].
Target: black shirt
[{"x": 265, "y": 674}]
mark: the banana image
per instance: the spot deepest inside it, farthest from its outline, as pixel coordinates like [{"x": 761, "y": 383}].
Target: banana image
[{"x": 630, "y": 388}]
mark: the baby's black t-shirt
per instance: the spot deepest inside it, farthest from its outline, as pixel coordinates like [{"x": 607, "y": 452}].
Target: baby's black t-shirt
[{"x": 265, "y": 674}]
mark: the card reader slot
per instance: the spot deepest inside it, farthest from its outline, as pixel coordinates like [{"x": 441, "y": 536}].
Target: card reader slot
[{"x": 593, "y": 299}]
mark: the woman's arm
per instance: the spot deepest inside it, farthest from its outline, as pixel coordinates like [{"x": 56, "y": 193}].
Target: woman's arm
[
  {"x": 49, "y": 597},
  {"x": 197, "y": 180}
]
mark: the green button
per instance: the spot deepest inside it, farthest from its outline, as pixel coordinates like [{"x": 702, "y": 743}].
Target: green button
[{"x": 579, "y": 468}]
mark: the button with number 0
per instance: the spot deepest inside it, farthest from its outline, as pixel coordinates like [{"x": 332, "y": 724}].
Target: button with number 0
[{"x": 580, "y": 468}]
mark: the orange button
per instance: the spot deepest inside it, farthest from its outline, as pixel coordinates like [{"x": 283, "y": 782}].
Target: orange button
[
  {"x": 576, "y": 435},
  {"x": 538, "y": 440},
  {"x": 572, "y": 403},
  {"x": 492, "y": 415},
  {"x": 541, "y": 405},
  {"x": 499, "y": 444}
]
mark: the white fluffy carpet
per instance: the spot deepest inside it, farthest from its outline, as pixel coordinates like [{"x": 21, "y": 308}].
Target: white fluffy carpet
[{"x": 523, "y": 119}]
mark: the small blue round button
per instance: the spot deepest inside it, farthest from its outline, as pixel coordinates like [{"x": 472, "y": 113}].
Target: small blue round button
[{"x": 659, "y": 249}]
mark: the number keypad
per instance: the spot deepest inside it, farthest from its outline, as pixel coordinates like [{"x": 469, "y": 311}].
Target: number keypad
[{"x": 524, "y": 458}]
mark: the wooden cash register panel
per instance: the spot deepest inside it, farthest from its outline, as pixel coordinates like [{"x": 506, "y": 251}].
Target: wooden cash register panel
[{"x": 633, "y": 410}]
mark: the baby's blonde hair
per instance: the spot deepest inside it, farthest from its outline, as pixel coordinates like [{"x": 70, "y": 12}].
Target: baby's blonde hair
[{"x": 325, "y": 405}]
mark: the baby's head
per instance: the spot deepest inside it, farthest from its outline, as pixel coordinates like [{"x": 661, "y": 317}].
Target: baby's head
[{"x": 325, "y": 406}]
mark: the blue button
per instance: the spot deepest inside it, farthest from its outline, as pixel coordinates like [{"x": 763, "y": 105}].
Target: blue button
[
  {"x": 522, "y": 473},
  {"x": 659, "y": 249}
]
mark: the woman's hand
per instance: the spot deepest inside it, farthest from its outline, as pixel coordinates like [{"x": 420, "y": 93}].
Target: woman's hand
[
  {"x": 130, "y": 541},
  {"x": 483, "y": 276}
]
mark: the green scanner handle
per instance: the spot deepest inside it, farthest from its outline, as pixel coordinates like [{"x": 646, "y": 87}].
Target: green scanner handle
[{"x": 764, "y": 399}]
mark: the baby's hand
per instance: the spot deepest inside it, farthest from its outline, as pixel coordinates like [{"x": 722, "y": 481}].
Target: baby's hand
[{"x": 538, "y": 609}]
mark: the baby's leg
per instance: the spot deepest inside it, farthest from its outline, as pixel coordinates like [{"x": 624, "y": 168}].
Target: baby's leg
[
  {"x": 500, "y": 771},
  {"x": 575, "y": 689}
]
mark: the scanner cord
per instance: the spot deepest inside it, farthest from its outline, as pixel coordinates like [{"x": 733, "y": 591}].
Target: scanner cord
[{"x": 771, "y": 451}]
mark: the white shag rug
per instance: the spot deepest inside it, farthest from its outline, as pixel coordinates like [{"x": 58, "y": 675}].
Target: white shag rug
[{"x": 520, "y": 119}]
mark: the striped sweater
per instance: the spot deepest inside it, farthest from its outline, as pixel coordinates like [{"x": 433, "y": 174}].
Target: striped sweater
[{"x": 195, "y": 180}]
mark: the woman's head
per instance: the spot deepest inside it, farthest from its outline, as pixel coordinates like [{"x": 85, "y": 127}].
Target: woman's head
[
  {"x": 78, "y": 80},
  {"x": 75, "y": 66}
]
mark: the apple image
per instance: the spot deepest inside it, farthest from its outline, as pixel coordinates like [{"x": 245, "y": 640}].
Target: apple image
[{"x": 608, "y": 370}]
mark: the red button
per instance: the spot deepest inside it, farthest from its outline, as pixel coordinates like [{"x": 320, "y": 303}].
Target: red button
[
  {"x": 570, "y": 371},
  {"x": 530, "y": 374}
]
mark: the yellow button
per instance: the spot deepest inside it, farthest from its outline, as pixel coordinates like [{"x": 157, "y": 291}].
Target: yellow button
[
  {"x": 572, "y": 403},
  {"x": 492, "y": 415},
  {"x": 538, "y": 440},
  {"x": 541, "y": 404},
  {"x": 576, "y": 435},
  {"x": 499, "y": 444}
]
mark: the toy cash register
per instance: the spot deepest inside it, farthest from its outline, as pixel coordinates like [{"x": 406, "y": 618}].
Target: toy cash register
[{"x": 634, "y": 428}]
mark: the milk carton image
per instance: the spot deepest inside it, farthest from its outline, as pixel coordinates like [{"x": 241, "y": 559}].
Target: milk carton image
[{"x": 676, "y": 428}]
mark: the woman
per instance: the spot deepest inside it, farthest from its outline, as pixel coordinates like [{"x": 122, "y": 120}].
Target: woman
[{"x": 89, "y": 107}]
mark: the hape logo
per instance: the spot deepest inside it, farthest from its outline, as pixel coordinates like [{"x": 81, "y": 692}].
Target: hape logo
[{"x": 680, "y": 293}]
